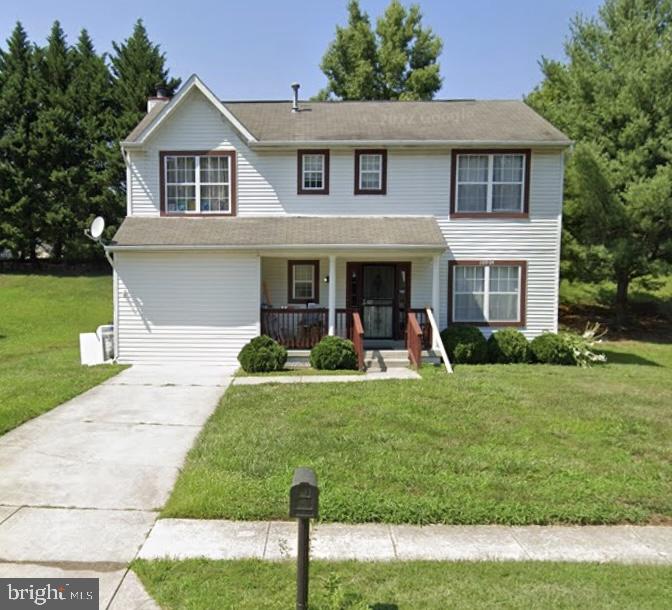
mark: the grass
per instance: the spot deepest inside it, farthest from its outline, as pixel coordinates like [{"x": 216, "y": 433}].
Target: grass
[
  {"x": 299, "y": 372},
  {"x": 41, "y": 317},
  {"x": 253, "y": 585},
  {"x": 516, "y": 444},
  {"x": 656, "y": 297}
]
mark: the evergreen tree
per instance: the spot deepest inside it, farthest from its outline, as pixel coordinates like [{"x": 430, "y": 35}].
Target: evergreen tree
[
  {"x": 138, "y": 68},
  {"x": 21, "y": 170},
  {"x": 97, "y": 191},
  {"x": 613, "y": 97},
  {"x": 57, "y": 141},
  {"x": 398, "y": 61}
]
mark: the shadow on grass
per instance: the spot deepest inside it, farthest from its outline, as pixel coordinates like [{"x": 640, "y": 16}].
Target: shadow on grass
[
  {"x": 627, "y": 358},
  {"x": 384, "y": 607}
]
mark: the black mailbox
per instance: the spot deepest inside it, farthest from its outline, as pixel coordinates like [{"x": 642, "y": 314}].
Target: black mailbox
[{"x": 304, "y": 494}]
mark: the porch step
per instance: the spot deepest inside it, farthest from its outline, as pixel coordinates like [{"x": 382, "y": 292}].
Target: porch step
[
  {"x": 383, "y": 359},
  {"x": 298, "y": 359}
]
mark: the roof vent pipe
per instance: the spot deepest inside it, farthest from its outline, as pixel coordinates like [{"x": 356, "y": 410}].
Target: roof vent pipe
[{"x": 295, "y": 102}]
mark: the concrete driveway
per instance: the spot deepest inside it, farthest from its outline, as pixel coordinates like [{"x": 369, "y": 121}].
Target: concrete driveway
[{"x": 80, "y": 485}]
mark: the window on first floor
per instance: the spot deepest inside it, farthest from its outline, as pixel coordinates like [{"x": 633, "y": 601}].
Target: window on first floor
[
  {"x": 488, "y": 293},
  {"x": 490, "y": 183},
  {"x": 303, "y": 281},
  {"x": 197, "y": 184}
]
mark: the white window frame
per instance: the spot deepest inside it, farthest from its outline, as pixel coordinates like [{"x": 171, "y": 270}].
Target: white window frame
[
  {"x": 490, "y": 182},
  {"x": 486, "y": 294},
  {"x": 303, "y": 171},
  {"x": 379, "y": 172},
  {"x": 312, "y": 297},
  {"x": 197, "y": 184}
]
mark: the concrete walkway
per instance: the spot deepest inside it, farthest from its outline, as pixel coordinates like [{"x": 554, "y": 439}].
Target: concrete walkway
[
  {"x": 274, "y": 540},
  {"x": 80, "y": 485},
  {"x": 298, "y": 378}
]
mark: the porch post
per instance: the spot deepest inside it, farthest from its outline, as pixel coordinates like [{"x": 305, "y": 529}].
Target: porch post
[
  {"x": 332, "y": 295},
  {"x": 436, "y": 292}
]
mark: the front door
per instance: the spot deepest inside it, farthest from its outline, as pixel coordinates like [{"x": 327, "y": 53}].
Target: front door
[
  {"x": 379, "y": 300},
  {"x": 382, "y": 293}
]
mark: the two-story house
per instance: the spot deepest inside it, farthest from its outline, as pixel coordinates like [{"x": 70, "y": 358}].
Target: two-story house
[{"x": 295, "y": 218}]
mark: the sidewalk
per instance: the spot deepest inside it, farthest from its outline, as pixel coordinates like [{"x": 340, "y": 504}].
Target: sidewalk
[
  {"x": 275, "y": 540},
  {"x": 299, "y": 378},
  {"x": 81, "y": 484}
]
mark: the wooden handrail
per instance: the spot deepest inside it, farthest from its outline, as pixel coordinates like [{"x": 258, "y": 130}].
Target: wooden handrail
[
  {"x": 414, "y": 340},
  {"x": 425, "y": 326},
  {"x": 358, "y": 339}
]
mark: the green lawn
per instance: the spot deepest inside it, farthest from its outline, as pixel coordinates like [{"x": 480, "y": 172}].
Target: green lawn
[
  {"x": 654, "y": 299},
  {"x": 41, "y": 317},
  {"x": 514, "y": 444},
  {"x": 253, "y": 585}
]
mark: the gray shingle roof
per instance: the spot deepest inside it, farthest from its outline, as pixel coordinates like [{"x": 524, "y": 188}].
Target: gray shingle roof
[
  {"x": 145, "y": 122},
  {"x": 281, "y": 231},
  {"x": 507, "y": 121}
]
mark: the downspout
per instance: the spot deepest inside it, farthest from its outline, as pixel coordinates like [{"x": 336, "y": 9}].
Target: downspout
[{"x": 115, "y": 303}]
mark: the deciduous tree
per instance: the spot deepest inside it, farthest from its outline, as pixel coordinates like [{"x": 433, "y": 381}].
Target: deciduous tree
[
  {"x": 399, "y": 61},
  {"x": 613, "y": 97}
]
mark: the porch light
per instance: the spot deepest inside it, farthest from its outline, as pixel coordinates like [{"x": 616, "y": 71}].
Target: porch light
[{"x": 325, "y": 279}]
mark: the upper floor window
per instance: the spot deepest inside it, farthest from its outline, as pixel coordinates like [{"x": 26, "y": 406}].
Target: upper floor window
[
  {"x": 490, "y": 182},
  {"x": 488, "y": 293},
  {"x": 370, "y": 172},
  {"x": 313, "y": 172},
  {"x": 197, "y": 183}
]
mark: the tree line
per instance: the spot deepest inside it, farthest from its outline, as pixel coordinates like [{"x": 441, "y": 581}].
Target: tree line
[{"x": 63, "y": 110}]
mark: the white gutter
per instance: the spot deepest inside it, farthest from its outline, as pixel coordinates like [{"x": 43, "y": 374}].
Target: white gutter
[
  {"x": 426, "y": 143},
  {"x": 429, "y": 248}
]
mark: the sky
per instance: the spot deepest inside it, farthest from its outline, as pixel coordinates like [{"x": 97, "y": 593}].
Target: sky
[{"x": 255, "y": 49}]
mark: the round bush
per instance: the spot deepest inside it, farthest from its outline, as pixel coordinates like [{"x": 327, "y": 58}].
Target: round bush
[
  {"x": 465, "y": 345},
  {"x": 508, "y": 346},
  {"x": 262, "y": 355},
  {"x": 333, "y": 353},
  {"x": 549, "y": 348}
]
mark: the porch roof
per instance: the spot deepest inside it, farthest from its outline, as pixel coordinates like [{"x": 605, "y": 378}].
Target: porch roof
[{"x": 278, "y": 232}]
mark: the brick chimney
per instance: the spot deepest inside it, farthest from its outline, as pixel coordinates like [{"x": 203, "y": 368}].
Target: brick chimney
[{"x": 161, "y": 97}]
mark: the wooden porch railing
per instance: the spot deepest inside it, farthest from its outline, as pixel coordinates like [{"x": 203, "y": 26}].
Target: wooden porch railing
[
  {"x": 358, "y": 338},
  {"x": 295, "y": 328},
  {"x": 414, "y": 340},
  {"x": 425, "y": 326},
  {"x": 304, "y": 328}
]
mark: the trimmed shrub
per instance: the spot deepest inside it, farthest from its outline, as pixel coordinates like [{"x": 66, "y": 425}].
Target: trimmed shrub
[
  {"x": 508, "y": 346},
  {"x": 333, "y": 353},
  {"x": 465, "y": 345},
  {"x": 549, "y": 348},
  {"x": 262, "y": 355}
]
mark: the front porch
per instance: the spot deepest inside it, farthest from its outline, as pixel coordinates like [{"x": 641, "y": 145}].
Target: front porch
[{"x": 371, "y": 301}]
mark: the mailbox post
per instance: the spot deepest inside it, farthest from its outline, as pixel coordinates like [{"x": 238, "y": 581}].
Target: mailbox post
[{"x": 303, "y": 505}]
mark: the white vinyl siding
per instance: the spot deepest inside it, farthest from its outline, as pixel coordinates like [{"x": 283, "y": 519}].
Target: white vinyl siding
[{"x": 186, "y": 306}]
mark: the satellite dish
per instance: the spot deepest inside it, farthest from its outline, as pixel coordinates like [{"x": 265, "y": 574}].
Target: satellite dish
[{"x": 97, "y": 227}]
